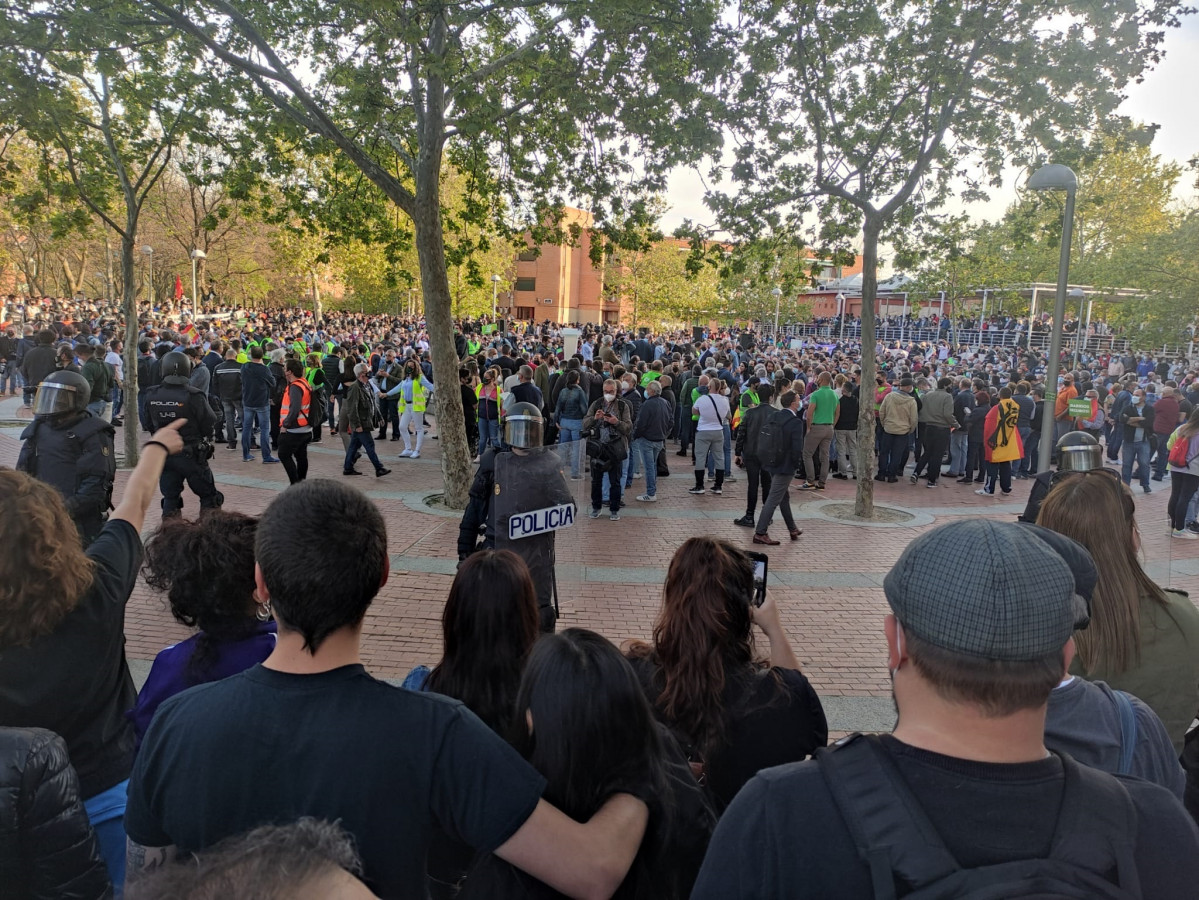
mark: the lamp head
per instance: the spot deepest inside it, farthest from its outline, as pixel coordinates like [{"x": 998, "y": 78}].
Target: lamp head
[{"x": 1053, "y": 177}]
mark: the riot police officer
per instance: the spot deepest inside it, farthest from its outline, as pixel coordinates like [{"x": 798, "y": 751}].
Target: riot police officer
[
  {"x": 175, "y": 399},
  {"x": 528, "y": 477},
  {"x": 69, "y": 448},
  {"x": 1077, "y": 451}
]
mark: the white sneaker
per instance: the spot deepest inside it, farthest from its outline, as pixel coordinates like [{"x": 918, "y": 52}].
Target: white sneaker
[
  {"x": 1184, "y": 534},
  {"x": 404, "y": 453},
  {"x": 650, "y": 498},
  {"x": 984, "y": 492},
  {"x": 415, "y": 455}
]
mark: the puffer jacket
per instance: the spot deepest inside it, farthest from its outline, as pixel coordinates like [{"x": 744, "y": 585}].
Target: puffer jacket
[{"x": 47, "y": 848}]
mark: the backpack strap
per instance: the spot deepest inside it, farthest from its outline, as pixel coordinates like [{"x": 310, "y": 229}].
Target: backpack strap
[
  {"x": 1128, "y": 731},
  {"x": 890, "y": 829},
  {"x": 1097, "y": 825}
]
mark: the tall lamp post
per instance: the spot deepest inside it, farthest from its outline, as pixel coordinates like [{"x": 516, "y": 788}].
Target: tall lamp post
[
  {"x": 495, "y": 286},
  {"x": 196, "y": 255},
  {"x": 1055, "y": 177},
  {"x": 1080, "y": 336},
  {"x": 778, "y": 297},
  {"x": 149, "y": 251},
  {"x": 841, "y": 315}
]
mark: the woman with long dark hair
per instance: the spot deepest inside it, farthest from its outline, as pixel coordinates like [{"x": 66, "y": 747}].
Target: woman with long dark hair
[
  {"x": 733, "y": 712},
  {"x": 583, "y": 722},
  {"x": 488, "y": 627},
  {"x": 1184, "y": 474},
  {"x": 206, "y": 568}
]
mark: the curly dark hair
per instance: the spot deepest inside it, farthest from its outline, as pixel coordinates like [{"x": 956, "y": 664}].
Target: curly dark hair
[
  {"x": 44, "y": 572},
  {"x": 206, "y": 568}
]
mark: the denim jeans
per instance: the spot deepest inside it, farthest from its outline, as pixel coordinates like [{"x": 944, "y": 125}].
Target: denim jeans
[
  {"x": 1023, "y": 464},
  {"x": 1161, "y": 458},
  {"x": 366, "y": 440},
  {"x": 97, "y": 407},
  {"x": 959, "y": 443},
  {"x": 262, "y": 416},
  {"x": 570, "y": 431},
  {"x": 118, "y": 401},
  {"x": 489, "y": 434},
  {"x": 12, "y": 378},
  {"x": 1138, "y": 452},
  {"x": 647, "y": 451},
  {"x": 233, "y": 416}
]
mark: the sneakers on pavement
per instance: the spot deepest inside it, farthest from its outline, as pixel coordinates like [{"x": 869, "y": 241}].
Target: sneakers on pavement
[
  {"x": 647, "y": 498},
  {"x": 807, "y": 486},
  {"x": 983, "y": 492},
  {"x": 696, "y": 490},
  {"x": 1185, "y": 535},
  {"x": 614, "y": 517},
  {"x": 745, "y": 522},
  {"x": 405, "y": 453},
  {"x": 594, "y": 513},
  {"x": 717, "y": 490}
]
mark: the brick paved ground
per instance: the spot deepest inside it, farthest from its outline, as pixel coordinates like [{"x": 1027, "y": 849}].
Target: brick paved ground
[{"x": 828, "y": 584}]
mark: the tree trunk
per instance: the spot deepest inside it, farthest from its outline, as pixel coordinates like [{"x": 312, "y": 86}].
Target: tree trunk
[
  {"x": 129, "y": 309},
  {"x": 864, "y": 465},
  {"x": 435, "y": 287}
]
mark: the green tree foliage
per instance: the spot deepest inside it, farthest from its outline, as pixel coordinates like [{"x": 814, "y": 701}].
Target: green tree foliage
[
  {"x": 866, "y": 113},
  {"x": 538, "y": 102},
  {"x": 657, "y": 288}
]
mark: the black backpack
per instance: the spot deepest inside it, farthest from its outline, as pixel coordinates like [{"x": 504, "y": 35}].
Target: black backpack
[
  {"x": 1093, "y": 838},
  {"x": 772, "y": 442}
]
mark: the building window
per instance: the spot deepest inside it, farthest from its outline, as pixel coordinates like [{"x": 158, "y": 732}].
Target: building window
[
  {"x": 611, "y": 316},
  {"x": 526, "y": 284},
  {"x": 527, "y": 256},
  {"x": 525, "y": 312}
]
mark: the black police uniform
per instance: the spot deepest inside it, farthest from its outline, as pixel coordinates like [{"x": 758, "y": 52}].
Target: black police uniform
[
  {"x": 541, "y": 485},
  {"x": 176, "y": 399},
  {"x": 74, "y": 453}
]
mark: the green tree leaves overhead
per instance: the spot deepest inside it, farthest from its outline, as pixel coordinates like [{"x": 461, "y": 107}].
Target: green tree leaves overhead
[{"x": 865, "y": 114}]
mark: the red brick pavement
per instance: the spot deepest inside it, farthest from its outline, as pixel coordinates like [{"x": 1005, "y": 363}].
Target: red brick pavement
[{"x": 837, "y": 631}]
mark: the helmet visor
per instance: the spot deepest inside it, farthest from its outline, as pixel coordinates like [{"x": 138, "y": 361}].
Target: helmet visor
[
  {"x": 524, "y": 432},
  {"x": 53, "y": 399}
]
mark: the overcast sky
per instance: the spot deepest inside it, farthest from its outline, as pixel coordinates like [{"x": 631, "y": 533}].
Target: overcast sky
[{"x": 1167, "y": 97}]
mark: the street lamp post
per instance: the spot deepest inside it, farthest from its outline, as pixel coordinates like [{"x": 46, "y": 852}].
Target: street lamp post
[
  {"x": 495, "y": 286},
  {"x": 841, "y": 315},
  {"x": 149, "y": 251},
  {"x": 1081, "y": 336},
  {"x": 1055, "y": 178},
  {"x": 196, "y": 255},
  {"x": 778, "y": 297}
]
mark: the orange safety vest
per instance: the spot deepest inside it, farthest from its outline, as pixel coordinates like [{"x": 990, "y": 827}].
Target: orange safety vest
[{"x": 305, "y": 403}]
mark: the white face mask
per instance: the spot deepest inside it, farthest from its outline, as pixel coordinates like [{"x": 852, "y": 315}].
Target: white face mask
[
  {"x": 727, "y": 392},
  {"x": 609, "y": 397}
]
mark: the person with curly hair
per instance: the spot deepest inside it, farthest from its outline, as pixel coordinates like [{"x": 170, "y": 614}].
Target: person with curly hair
[
  {"x": 206, "y": 568},
  {"x": 62, "y": 631},
  {"x": 733, "y": 712}
]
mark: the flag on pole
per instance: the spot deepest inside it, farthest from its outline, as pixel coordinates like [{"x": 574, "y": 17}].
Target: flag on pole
[
  {"x": 178, "y": 288},
  {"x": 190, "y": 333}
]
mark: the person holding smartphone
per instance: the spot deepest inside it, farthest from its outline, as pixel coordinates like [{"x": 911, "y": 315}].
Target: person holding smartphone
[{"x": 734, "y": 711}]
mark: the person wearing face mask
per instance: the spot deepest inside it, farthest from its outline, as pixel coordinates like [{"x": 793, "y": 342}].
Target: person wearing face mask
[
  {"x": 412, "y": 395},
  {"x": 611, "y": 422},
  {"x": 630, "y": 393},
  {"x": 488, "y": 394},
  {"x": 1137, "y": 419}
]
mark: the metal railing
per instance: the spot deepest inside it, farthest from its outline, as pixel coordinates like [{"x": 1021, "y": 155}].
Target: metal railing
[{"x": 992, "y": 337}]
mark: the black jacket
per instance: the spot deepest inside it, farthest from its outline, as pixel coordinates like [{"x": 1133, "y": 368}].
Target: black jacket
[
  {"x": 653, "y": 420},
  {"x": 1130, "y": 412},
  {"x": 38, "y": 363},
  {"x": 750, "y": 425},
  {"x": 47, "y": 847},
  {"x": 227, "y": 377},
  {"x": 793, "y": 430}
]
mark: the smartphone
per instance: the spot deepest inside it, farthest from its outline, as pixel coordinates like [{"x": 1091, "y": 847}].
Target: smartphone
[{"x": 760, "y": 561}]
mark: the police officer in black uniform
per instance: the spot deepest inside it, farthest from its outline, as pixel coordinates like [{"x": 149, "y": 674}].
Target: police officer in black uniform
[
  {"x": 69, "y": 448},
  {"x": 536, "y": 482},
  {"x": 175, "y": 399}
]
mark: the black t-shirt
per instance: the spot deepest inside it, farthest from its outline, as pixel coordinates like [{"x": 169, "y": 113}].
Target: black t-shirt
[
  {"x": 848, "y": 419},
  {"x": 75, "y": 681},
  {"x": 265, "y": 746},
  {"x": 773, "y": 717},
  {"x": 784, "y": 837}
]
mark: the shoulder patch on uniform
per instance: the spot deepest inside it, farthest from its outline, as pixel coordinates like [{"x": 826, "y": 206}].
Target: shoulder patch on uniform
[
  {"x": 497, "y": 489},
  {"x": 104, "y": 450}
]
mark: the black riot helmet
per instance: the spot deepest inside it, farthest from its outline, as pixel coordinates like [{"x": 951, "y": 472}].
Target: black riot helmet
[
  {"x": 176, "y": 365},
  {"x": 62, "y": 392},
  {"x": 523, "y": 426}
]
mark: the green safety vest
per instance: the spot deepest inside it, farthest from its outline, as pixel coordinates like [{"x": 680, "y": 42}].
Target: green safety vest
[
  {"x": 472, "y": 347},
  {"x": 418, "y": 397},
  {"x": 650, "y": 376},
  {"x": 242, "y": 356},
  {"x": 750, "y": 396}
]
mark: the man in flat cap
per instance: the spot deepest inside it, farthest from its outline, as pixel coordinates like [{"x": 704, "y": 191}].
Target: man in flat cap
[{"x": 964, "y": 794}]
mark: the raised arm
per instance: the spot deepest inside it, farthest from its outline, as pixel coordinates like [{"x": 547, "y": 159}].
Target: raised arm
[
  {"x": 766, "y": 617},
  {"x": 144, "y": 480}
]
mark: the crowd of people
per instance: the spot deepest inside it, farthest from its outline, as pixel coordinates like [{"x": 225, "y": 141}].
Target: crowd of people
[{"x": 1046, "y": 690}]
